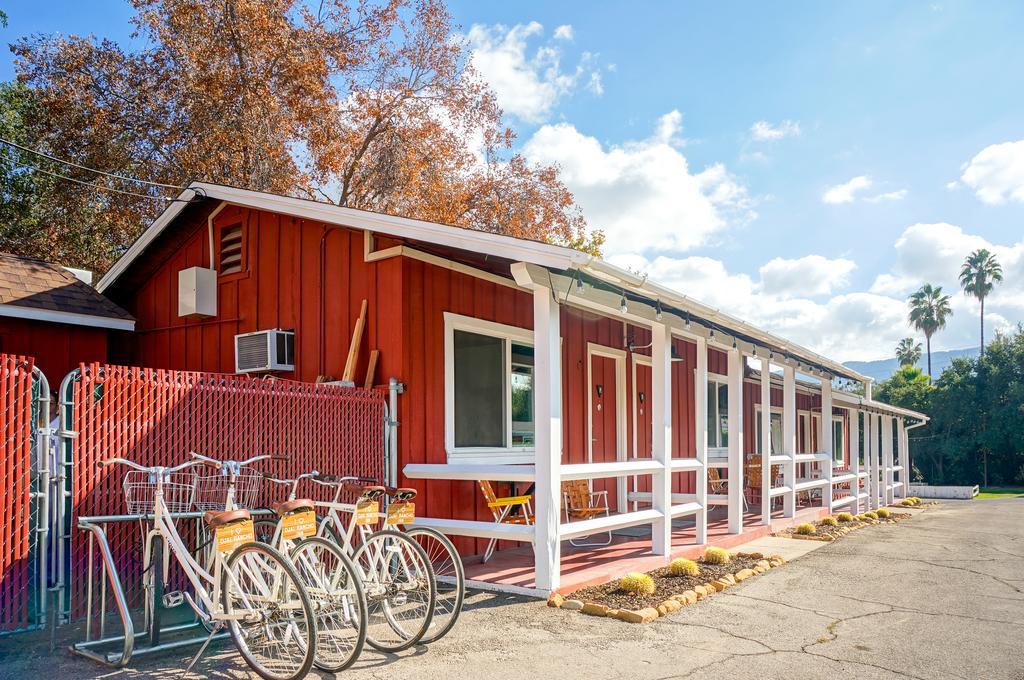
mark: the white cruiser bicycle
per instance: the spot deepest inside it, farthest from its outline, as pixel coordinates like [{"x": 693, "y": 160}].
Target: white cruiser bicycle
[{"x": 250, "y": 588}]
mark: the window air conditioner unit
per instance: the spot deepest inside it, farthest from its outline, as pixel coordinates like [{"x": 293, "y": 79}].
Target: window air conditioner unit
[{"x": 265, "y": 351}]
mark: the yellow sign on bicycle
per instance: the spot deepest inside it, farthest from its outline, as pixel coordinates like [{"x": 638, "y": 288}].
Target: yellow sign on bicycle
[
  {"x": 367, "y": 512},
  {"x": 401, "y": 513},
  {"x": 298, "y": 525},
  {"x": 230, "y": 536}
]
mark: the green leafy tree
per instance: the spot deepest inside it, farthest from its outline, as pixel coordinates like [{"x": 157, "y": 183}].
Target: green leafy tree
[
  {"x": 929, "y": 309},
  {"x": 978, "y": 275},
  {"x": 909, "y": 388},
  {"x": 908, "y": 352}
]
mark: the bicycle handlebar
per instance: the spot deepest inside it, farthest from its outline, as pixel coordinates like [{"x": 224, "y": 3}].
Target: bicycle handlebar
[
  {"x": 220, "y": 463},
  {"x": 307, "y": 475},
  {"x": 153, "y": 469}
]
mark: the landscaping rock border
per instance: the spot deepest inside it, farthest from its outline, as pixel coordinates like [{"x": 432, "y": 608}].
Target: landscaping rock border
[{"x": 675, "y": 602}]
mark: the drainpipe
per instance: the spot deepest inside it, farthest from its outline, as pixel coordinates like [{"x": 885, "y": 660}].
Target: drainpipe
[{"x": 391, "y": 421}]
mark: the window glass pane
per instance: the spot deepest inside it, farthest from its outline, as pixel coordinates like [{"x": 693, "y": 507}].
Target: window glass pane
[
  {"x": 522, "y": 395},
  {"x": 837, "y": 440},
  {"x": 479, "y": 390},
  {"x": 776, "y": 425},
  {"x": 712, "y": 417},
  {"x": 723, "y": 415}
]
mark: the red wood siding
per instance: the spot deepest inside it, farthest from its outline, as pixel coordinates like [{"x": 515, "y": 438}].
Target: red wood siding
[
  {"x": 57, "y": 348},
  {"x": 299, "y": 275}
]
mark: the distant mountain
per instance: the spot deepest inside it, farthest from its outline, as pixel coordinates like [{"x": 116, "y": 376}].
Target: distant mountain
[{"x": 883, "y": 368}]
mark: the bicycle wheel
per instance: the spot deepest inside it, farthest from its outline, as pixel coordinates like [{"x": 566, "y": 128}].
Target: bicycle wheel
[
  {"x": 449, "y": 580},
  {"x": 276, "y": 633},
  {"x": 399, "y": 589},
  {"x": 334, "y": 587}
]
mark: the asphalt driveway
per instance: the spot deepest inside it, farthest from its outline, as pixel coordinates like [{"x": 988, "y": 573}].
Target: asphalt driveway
[{"x": 940, "y": 595}]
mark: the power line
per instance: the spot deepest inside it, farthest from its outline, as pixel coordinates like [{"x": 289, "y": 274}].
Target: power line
[
  {"x": 103, "y": 188},
  {"x": 88, "y": 169}
]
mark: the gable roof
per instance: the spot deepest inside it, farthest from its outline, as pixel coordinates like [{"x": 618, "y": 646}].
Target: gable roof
[
  {"x": 546, "y": 255},
  {"x": 33, "y": 289}
]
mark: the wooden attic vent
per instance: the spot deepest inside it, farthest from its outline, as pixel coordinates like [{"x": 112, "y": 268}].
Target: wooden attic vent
[{"x": 231, "y": 245}]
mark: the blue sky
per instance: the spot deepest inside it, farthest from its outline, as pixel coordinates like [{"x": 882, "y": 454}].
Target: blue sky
[{"x": 803, "y": 165}]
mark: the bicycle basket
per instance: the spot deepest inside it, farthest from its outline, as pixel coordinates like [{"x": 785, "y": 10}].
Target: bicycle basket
[
  {"x": 212, "y": 490},
  {"x": 140, "y": 491}
]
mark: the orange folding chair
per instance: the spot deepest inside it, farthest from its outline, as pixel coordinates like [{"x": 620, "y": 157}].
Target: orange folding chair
[
  {"x": 579, "y": 502},
  {"x": 501, "y": 509}
]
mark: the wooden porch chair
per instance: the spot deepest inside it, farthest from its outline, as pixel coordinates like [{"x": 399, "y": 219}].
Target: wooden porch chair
[
  {"x": 501, "y": 509},
  {"x": 719, "y": 486},
  {"x": 579, "y": 502}
]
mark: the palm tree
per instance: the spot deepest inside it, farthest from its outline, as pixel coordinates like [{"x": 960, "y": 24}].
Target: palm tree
[
  {"x": 908, "y": 352},
  {"x": 929, "y": 309},
  {"x": 978, "y": 276}
]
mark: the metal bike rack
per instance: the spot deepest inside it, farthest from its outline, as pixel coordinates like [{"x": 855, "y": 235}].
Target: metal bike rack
[{"x": 130, "y": 641}]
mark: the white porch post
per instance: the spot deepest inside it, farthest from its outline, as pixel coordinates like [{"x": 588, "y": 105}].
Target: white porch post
[
  {"x": 700, "y": 402},
  {"x": 661, "y": 445},
  {"x": 547, "y": 439},
  {"x": 871, "y": 451},
  {"x": 855, "y": 458},
  {"x": 827, "y": 440},
  {"x": 789, "y": 438},
  {"x": 901, "y": 442},
  {"x": 766, "y": 442},
  {"x": 735, "y": 441},
  {"x": 887, "y": 478}
]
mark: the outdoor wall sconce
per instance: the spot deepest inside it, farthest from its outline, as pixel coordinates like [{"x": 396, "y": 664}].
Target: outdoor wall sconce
[{"x": 600, "y": 391}]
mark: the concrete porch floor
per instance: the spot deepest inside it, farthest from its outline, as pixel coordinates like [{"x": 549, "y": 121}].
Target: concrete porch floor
[{"x": 630, "y": 550}]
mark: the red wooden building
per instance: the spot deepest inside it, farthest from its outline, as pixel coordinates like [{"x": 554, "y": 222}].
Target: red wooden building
[
  {"x": 523, "y": 363},
  {"x": 47, "y": 312}
]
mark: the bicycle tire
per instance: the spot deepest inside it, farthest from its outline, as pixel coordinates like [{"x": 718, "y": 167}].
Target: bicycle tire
[
  {"x": 334, "y": 603},
  {"x": 387, "y": 594},
  {"x": 449, "y": 580},
  {"x": 301, "y": 666}
]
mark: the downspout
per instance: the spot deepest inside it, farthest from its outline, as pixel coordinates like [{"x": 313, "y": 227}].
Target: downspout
[{"x": 391, "y": 421}]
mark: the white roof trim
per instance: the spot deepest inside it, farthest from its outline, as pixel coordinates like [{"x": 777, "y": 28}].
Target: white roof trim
[
  {"x": 72, "y": 318},
  {"x": 499, "y": 245}
]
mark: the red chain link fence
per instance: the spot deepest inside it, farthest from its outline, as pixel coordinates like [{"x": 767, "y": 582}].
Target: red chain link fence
[
  {"x": 156, "y": 417},
  {"x": 19, "y": 501}
]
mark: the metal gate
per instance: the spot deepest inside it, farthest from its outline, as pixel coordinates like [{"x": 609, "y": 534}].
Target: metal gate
[
  {"x": 156, "y": 417},
  {"x": 24, "y": 498}
]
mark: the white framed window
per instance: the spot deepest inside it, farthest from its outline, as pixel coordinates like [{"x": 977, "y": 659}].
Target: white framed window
[
  {"x": 838, "y": 439},
  {"x": 814, "y": 443},
  {"x": 805, "y": 426},
  {"x": 489, "y": 384},
  {"x": 718, "y": 416},
  {"x": 776, "y": 430}
]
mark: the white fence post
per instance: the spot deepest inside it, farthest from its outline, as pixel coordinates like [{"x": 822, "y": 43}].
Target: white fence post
[
  {"x": 789, "y": 437},
  {"x": 887, "y": 460},
  {"x": 827, "y": 439},
  {"x": 855, "y": 458}
]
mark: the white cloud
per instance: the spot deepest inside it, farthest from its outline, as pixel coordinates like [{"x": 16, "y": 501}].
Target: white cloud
[
  {"x": 847, "y": 191},
  {"x": 996, "y": 173},
  {"x": 888, "y": 196},
  {"x": 564, "y": 32},
  {"x": 528, "y": 84},
  {"x": 643, "y": 194},
  {"x": 810, "y": 275},
  {"x": 763, "y": 131}
]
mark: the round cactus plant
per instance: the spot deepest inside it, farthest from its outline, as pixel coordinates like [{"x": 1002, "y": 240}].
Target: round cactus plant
[
  {"x": 640, "y": 584},
  {"x": 844, "y": 517},
  {"x": 828, "y": 521},
  {"x": 715, "y": 555},
  {"x": 683, "y": 567},
  {"x": 806, "y": 529},
  {"x": 883, "y": 513}
]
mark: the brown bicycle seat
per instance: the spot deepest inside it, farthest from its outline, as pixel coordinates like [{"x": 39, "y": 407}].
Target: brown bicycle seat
[
  {"x": 363, "y": 490},
  {"x": 402, "y": 493},
  {"x": 218, "y": 519},
  {"x": 284, "y": 507}
]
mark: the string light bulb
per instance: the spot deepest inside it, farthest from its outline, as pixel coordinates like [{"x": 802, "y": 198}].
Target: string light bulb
[
  {"x": 657, "y": 310},
  {"x": 623, "y": 305},
  {"x": 579, "y": 284}
]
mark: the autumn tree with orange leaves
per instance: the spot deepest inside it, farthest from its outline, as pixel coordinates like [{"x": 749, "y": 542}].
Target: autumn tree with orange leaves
[{"x": 372, "y": 105}]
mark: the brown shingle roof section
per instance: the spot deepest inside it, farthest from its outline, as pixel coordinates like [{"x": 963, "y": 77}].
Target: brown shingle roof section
[{"x": 40, "y": 285}]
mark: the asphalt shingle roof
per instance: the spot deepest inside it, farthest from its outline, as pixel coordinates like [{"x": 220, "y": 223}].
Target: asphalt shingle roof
[{"x": 35, "y": 284}]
